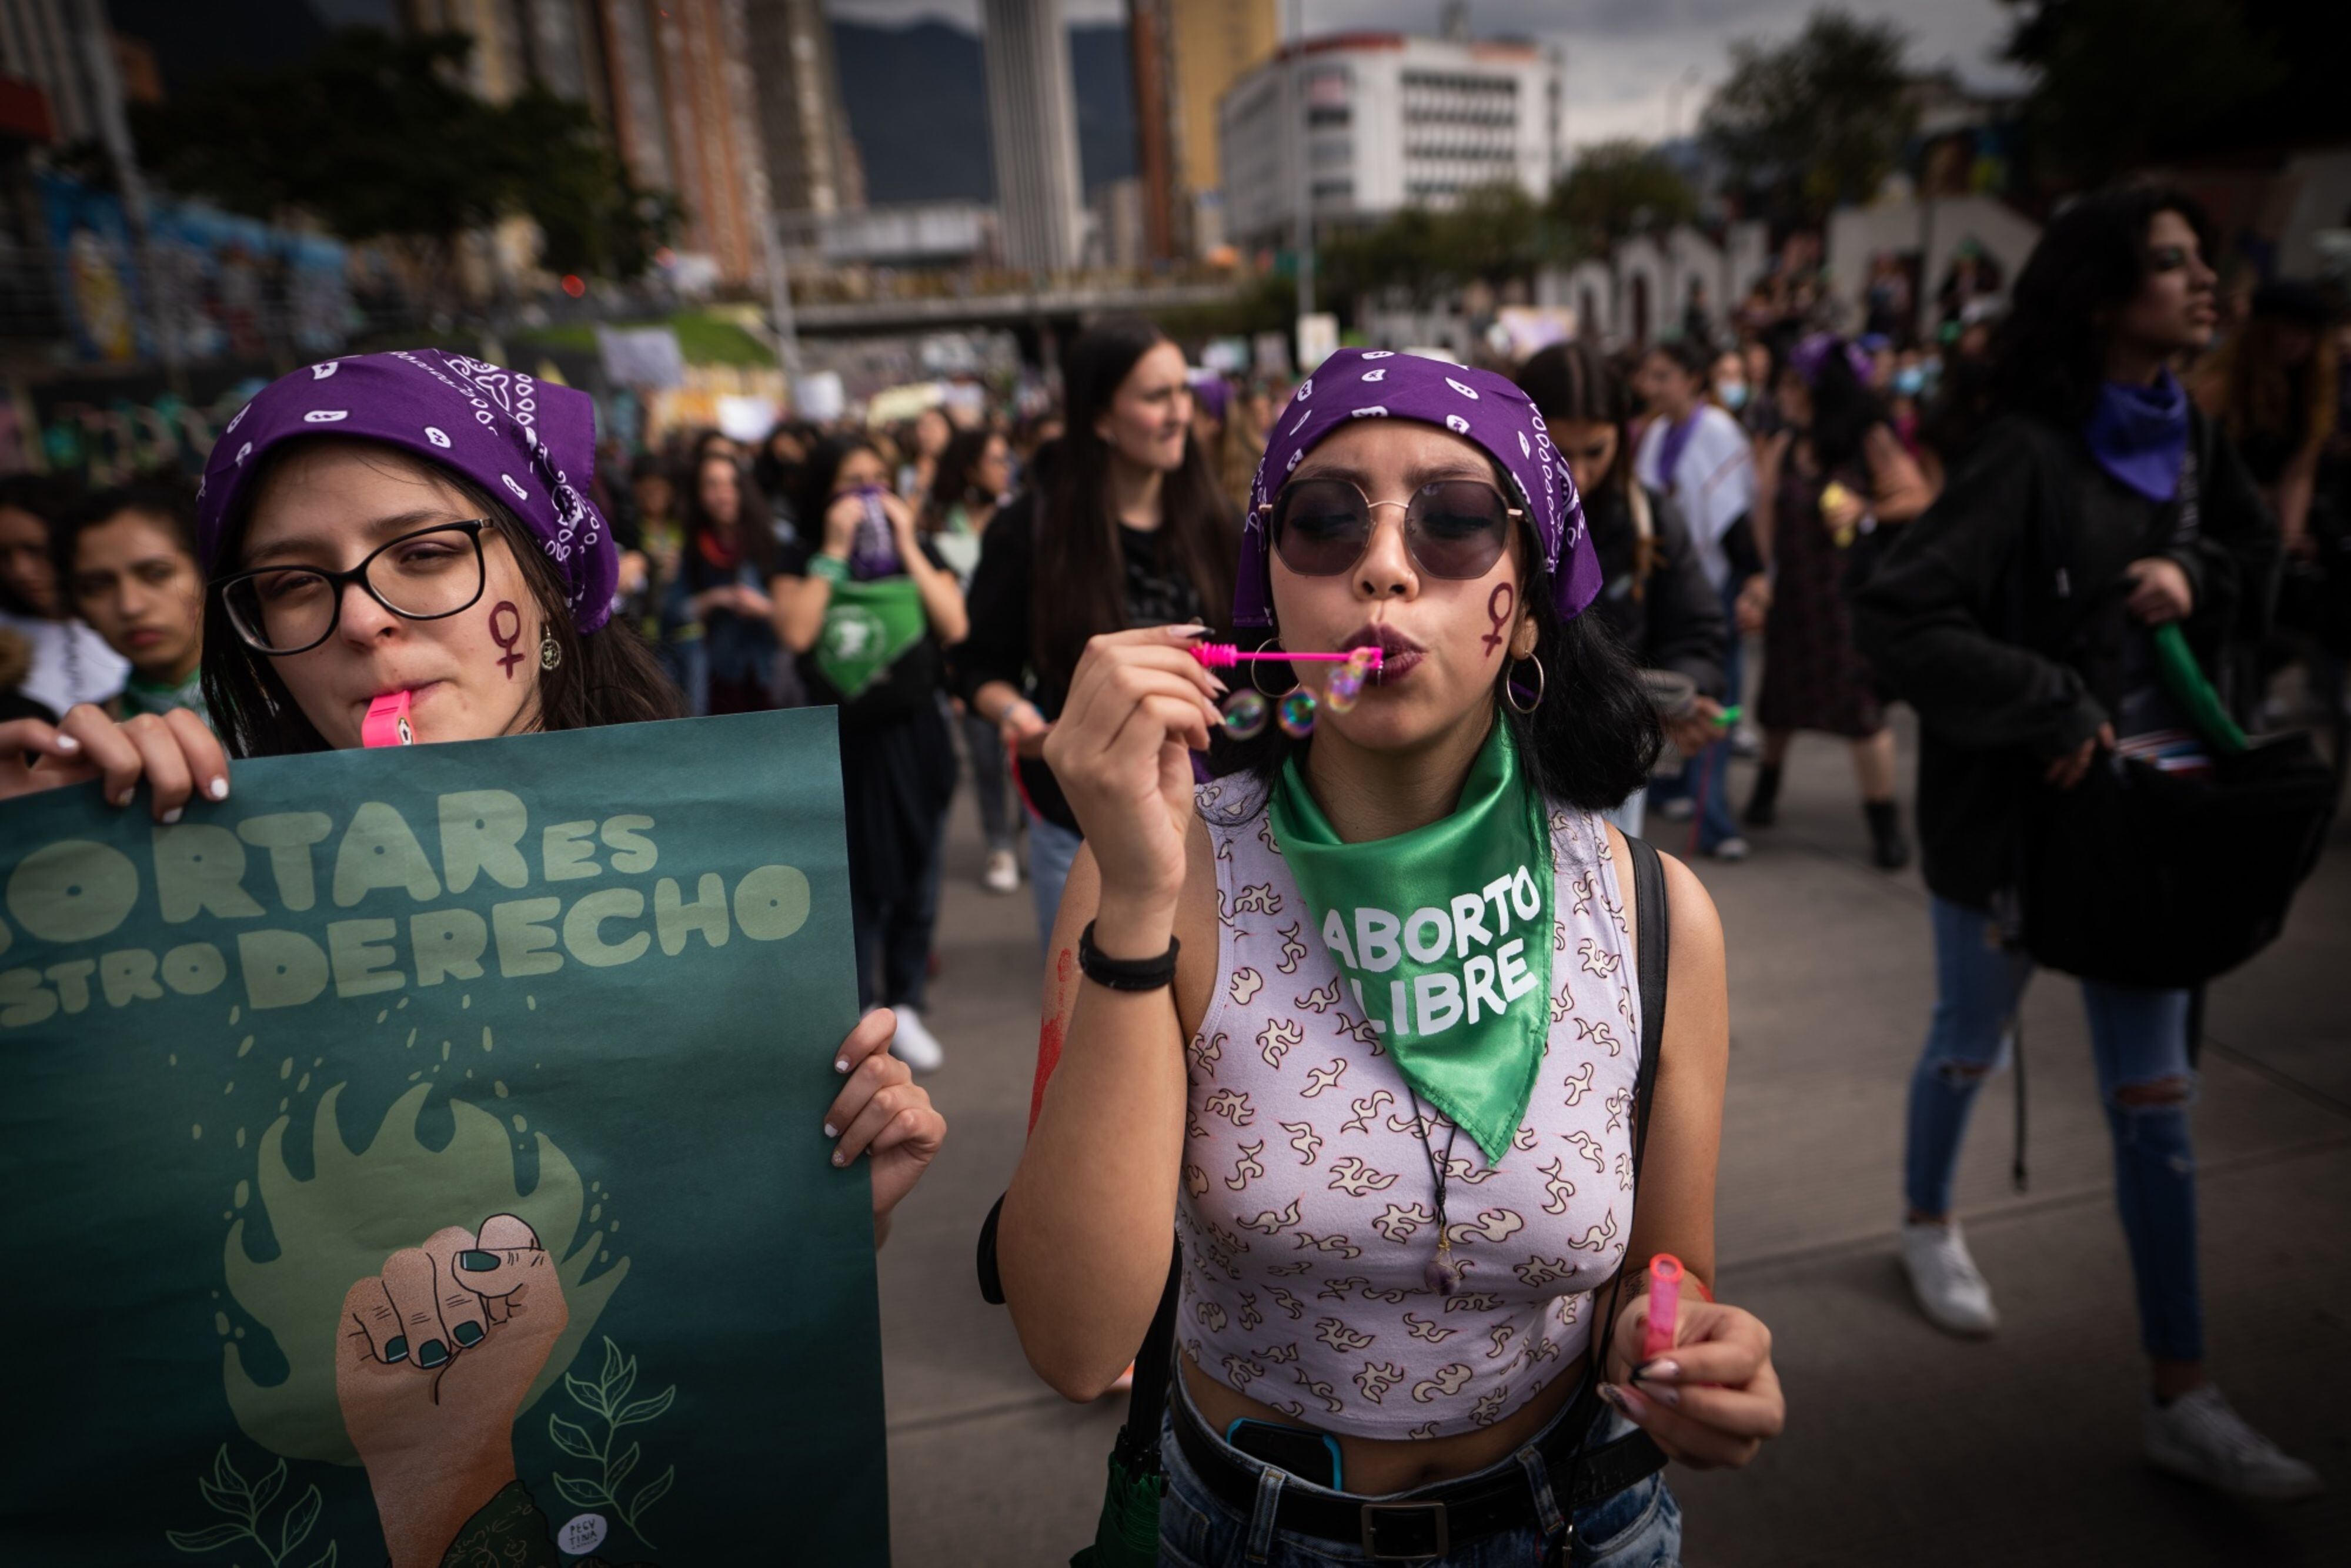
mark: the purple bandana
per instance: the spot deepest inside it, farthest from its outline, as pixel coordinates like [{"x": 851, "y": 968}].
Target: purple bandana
[
  {"x": 519, "y": 438},
  {"x": 1812, "y": 352},
  {"x": 1379, "y": 384}
]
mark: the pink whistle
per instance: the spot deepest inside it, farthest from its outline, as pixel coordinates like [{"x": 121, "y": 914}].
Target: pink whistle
[
  {"x": 1664, "y": 1305},
  {"x": 1225, "y": 655},
  {"x": 387, "y": 721}
]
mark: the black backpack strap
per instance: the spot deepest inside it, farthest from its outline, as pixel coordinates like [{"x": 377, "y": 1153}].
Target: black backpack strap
[
  {"x": 1146, "y": 1402},
  {"x": 1652, "y": 923}
]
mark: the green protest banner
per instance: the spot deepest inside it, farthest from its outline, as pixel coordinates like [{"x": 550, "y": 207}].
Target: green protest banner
[{"x": 419, "y": 1156}]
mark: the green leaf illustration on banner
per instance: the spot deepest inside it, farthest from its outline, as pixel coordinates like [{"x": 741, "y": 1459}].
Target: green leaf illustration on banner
[
  {"x": 449, "y": 1100},
  {"x": 867, "y": 627}
]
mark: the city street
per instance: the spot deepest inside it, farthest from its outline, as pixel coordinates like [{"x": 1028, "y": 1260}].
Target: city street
[{"x": 1830, "y": 982}]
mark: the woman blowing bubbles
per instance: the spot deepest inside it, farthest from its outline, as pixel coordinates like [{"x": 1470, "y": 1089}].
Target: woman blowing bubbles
[
  {"x": 403, "y": 522},
  {"x": 1400, "y": 1167}
]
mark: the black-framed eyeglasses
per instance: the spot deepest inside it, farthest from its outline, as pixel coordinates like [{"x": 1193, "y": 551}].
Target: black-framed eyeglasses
[
  {"x": 424, "y": 575},
  {"x": 1454, "y": 528}
]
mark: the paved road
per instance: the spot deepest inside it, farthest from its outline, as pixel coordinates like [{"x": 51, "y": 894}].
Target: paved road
[{"x": 1904, "y": 1446}]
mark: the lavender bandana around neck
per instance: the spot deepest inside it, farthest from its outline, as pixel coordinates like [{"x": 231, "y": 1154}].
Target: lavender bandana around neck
[
  {"x": 2139, "y": 434},
  {"x": 530, "y": 443},
  {"x": 1477, "y": 405}
]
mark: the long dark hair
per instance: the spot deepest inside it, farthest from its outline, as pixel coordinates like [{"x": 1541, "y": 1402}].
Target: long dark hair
[
  {"x": 1078, "y": 588},
  {"x": 755, "y": 526},
  {"x": 823, "y": 472},
  {"x": 607, "y": 676},
  {"x": 950, "y": 480},
  {"x": 1843, "y": 409},
  {"x": 1592, "y": 737},
  {"x": 48, "y": 501},
  {"x": 2049, "y": 353},
  {"x": 1570, "y": 379}
]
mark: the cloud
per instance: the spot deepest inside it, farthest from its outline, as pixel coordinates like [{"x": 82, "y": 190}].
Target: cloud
[{"x": 1628, "y": 61}]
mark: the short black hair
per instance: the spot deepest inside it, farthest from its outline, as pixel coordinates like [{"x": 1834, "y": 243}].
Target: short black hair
[{"x": 172, "y": 506}]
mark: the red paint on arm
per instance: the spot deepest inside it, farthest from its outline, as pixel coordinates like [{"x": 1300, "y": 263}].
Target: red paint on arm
[{"x": 1049, "y": 1035}]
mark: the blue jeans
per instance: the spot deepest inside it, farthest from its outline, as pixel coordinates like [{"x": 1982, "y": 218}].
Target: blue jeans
[
  {"x": 2145, "y": 1080},
  {"x": 1640, "y": 1527},
  {"x": 1051, "y": 848},
  {"x": 1706, "y": 776}
]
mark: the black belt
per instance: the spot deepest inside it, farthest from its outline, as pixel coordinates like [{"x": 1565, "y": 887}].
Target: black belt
[{"x": 1431, "y": 1522}]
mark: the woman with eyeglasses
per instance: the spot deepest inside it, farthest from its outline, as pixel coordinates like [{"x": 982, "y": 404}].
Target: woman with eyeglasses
[
  {"x": 1359, "y": 1023},
  {"x": 1654, "y": 591},
  {"x": 406, "y": 522}
]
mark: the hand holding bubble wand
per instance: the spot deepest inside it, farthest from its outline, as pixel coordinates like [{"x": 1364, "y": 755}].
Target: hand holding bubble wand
[{"x": 1246, "y": 711}]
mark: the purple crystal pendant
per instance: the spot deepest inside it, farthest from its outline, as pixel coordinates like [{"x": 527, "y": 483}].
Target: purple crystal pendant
[{"x": 1443, "y": 1275}]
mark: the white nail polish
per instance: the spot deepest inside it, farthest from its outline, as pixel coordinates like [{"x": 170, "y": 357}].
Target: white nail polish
[
  {"x": 171, "y": 816},
  {"x": 842, "y": 1065},
  {"x": 839, "y": 1158},
  {"x": 217, "y": 788},
  {"x": 68, "y": 743},
  {"x": 830, "y": 1131}
]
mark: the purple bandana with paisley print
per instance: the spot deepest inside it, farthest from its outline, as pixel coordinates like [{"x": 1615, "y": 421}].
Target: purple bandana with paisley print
[
  {"x": 530, "y": 443},
  {"x": 1477, "y": 405}
]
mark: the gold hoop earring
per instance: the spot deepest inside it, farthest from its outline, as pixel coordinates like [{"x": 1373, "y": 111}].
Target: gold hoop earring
[
  {"x": 1258, "y": 664},
  {"x": 550, "y": 651},
  {"x": 1511, "y": 688}
]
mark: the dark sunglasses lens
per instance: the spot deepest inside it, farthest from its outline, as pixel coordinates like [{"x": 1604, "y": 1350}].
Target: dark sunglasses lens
[
  {"x": 1458, "y": 529},
  {"x": 1319, "y": 526}
]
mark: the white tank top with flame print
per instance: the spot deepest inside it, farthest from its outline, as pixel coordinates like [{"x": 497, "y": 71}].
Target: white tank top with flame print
[{"x": 1308, "y": 1213}]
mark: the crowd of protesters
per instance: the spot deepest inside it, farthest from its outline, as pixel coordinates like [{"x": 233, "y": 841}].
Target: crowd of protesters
[{"x": 1836, "y": 495}]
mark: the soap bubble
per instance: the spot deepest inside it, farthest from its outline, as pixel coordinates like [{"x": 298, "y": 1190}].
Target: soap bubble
[
  {"x": 1245, "y": 715},
  {"x": 1347, "y": 689},
  {"x": 1296, "y": 715}
]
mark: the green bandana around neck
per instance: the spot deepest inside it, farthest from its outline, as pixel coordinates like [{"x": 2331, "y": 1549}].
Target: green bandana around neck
[
  {"x": 867, "y": 626},
  {"x": 1444, "y": 935}
]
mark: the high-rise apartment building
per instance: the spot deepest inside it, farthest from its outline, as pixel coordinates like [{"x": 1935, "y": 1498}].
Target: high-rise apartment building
[
  {"x": 1033, "y": 122},
  {"x": 1186, "y": 54},
  {"x": 1369, "y": 122},
  {"x": 812, "y": 166},
  {"x": 671, "y": 79}
]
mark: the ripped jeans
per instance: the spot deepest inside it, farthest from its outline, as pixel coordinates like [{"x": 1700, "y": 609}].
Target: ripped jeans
[{"x": 2145, "y": 1081}]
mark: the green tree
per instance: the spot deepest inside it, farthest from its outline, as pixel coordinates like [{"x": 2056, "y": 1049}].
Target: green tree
[
  {"x": 1817, "y": 120},
  {"x": 1615, "y": 189},
  {"x": 376, "y": 138},
  {"x": 2117, "y": 83}
]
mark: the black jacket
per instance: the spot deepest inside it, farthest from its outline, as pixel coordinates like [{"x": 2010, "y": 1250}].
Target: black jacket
[
  {"x": 1671, "y": 619},
  {"x": 1999, "y": 615}
]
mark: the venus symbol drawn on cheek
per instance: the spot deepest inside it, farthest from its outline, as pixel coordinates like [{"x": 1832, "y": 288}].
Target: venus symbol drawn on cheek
[
  {"x": 1498, "y": 605},
  {"x": 510, "y": 637}
]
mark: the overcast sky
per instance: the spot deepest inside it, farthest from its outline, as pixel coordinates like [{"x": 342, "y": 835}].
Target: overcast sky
[{"x": 1623, "y": 57}]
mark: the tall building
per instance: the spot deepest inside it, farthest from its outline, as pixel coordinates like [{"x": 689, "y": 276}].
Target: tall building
[
  {"x": 1375, "y": 121},
  {"x": 1213, "y": 42},
  {"x": 671, "y": 79},
  {"x": 1032, "y": 122},
  {"x": 812, "y": 164}
]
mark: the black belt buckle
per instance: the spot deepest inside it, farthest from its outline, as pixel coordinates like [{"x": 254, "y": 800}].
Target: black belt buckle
[{"x": 1404, "y": 1531}]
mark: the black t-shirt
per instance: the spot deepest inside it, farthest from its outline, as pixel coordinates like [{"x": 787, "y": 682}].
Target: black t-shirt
[{"x": 907, "y": 688}]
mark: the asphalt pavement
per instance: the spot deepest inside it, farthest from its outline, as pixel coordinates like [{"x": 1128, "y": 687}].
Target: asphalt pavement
[{"x": 1904, "y": 1446}]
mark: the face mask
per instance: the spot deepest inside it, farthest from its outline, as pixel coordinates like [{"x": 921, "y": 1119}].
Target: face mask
[
  {"x": 1732, "y": 394},
  {"x": 1909, "y": 380}
]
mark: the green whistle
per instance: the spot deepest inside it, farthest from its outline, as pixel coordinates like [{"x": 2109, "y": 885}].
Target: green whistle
[{"x": 1728, "y": 716}]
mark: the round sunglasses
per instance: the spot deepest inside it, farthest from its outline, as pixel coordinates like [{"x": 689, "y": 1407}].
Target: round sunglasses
[{"x": 1454, "y": 529}]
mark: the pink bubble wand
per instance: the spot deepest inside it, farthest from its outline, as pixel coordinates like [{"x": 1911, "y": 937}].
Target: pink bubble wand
[{"x": 1225, "y": 655}]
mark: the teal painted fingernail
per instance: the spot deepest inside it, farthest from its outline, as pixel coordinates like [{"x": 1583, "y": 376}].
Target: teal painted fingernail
[
  {"x": 434, "y": 1354},
  {"x": 395, "y": 1349},
  {"x": 476, "y": 1261},
  {"x": 467, "y": 1334}
]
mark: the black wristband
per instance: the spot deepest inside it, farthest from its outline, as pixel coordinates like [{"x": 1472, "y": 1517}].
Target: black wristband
[{"x": 1125, "y": 974}]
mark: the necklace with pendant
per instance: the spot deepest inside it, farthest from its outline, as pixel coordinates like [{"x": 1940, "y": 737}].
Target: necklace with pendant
[{"x": 1443, "y": 1275}]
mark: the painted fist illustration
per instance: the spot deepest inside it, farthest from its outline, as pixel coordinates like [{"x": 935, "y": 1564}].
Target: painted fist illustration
[{"x": 437, "y": 1351}]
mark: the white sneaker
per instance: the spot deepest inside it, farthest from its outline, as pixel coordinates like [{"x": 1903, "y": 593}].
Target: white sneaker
[
  {"x": 1003, "y": 873},
  {"x": 1943, "y": 1277},
  {"x": 1733, "y": 848},
  {"x": 2197, "y": 1436},
  {"x": 1678, "y": 809},
  {"x": 915, "y": 1045}
]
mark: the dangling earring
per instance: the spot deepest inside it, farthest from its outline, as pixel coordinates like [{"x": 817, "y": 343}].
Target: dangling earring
[
  {"x": 1258, "y": 664},
  {"x": 1511, "y": 688},
  {"x": 550, "y": 651}
]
